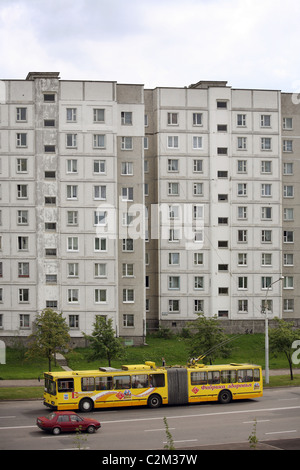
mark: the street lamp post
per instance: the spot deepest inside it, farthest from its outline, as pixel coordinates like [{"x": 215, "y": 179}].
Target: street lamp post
[{"x": 267, "y": 331}]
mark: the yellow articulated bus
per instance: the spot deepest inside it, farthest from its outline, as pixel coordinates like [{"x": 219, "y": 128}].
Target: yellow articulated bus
[{"x": 146, "y": 384}]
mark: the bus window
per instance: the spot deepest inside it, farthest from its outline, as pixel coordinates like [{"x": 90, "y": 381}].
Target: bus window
[
  {"x": 214, "y": 377},
  {"x": 87, "y": 384},
  {"x": 228, "y": 376},
  {"x": 157, "y": 380},
  {"x": 103, "y": 383},
  {"x": 50, "y": 386},
  {"x": 245, "y": 375},
  {"x": 121, "y": 382},
  {"x": 139, "y": 381},
  {"x": 65, "y": 385},
  {"x": 256, "y": 375},
  {"x": 198, "y": 378}
]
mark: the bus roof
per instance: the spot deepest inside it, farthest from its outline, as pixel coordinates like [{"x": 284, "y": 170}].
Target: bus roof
[{"x": 148, "y": 366}]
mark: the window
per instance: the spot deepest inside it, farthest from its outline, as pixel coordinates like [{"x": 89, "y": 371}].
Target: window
[
  {"x": 288, "y": 191},
  {"x": 127, "y": 244},
  {"x": 24, "y": 320},
  {"x": 71, "y": 140},
  {"x": 50, "y": 226},
  {"x": 49, "y": 148},
  {"x": 127, "y": 269},
  {"x": 288, "y": 259},
  {"x": 223, "y": 267},
  {"x": 242, "y": 143},
  {"x": 99, "y": 115},
  {"x": 21, "y": 139},
  {"x": 265, "y": 120},
  {"x": 242, "y": 236},
  {"x": 128, "y": 295},
  {"x": 49, "y": 122},
  {"x": 100, "y": 217},
  {"x": 49, "y": 97},
  {"x": 242, "y": 166},
  {"x": 72, "y": 244},
  {"x": 197, "y": 119},
  {"x": 222, "y": 127},
  {"x": 99, "y": 166},
  {"x": 242, "y": 282},
  {"x": 100, "y": 296},
  {"x": 287, "y": 145},
  {"x": 242, "y": 189},
  {"x": 265, "y": 143},
  {"x": 127, "y": 143},
  {"x": 222, "y": 150},
  {"x": 23, "y": 295},
  {"x": 173, "y": 142},
  {"x": 72, "y": 166},
  {"x": 266, "y": 190},
  {"x": 173, "y": 164},
  {"x": 74, "y": 323},
  {"x": 288, "y": 213},
  {"x": 198, "y": 282},
  {"x": 173, "y": 235},
  {"x": 72, "y": 218},
  {"x": 266, "y": 166},
  {"x": 288, "y": 305},
  {"x": 287, "y": 123},
  {"x": 242, "y": 259},
  {"x": 243, "y": 306},
  {"x": 173, "y": 189},
  {"x": 241, "y": 120},
  {"x": 22, "y": 191},
  {"x": 197, "y": 142},
  {"x": 266, "y": 282},
  {"x": 100, "y": 270},
  {"x": 127, "y": 194},
  {"x": 174, "y": 305},
  {"x": 222, "y": 104},
  {"x": 99, "y": 141},
  {"x": 23, "y": 243},
  {"x": 23, "y": 217},
  {"x": 126, "y": 118},
  {"x": 21, "y": 114},
  {"x": 198, "y": 166},
  {"x": 23, "y": 269},
  {"x": 266, "y": 213},
  {"x": 198, "y": 305},
  {"x": 128, "y": 320},
  {"x": 100, "y": 192},
  {"x": 71, "y": 114},
  {"x": 73, "y": 295},
  {"x": 266, "y": 259},
  {"x": 51, "y": 278},
  {"x": 288, "y": 282},
  {"x": 288, "y": 168},
  {"x": 172, "y": 119},
  {"x": 50, "y": 201},
  {"x": 100, "y": 244},
  {"x": 222, "y": 197},
  {"x": 127, "y": 168},
  {"x": 242, "y": 212},
  {"x": 50, "y": 174},
  {"x": 174, "y": 259},
  {"x": 198, "y": 189},
  {"x": 174, "y": 282},
  {"x": 22, "y": 165},
  {"x": 73, "y": 269},
  {"x": 266, "y": 236},
  {"x": 72, "y": 191}
]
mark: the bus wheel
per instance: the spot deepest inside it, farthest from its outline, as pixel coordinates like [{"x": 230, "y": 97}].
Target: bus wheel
[
  {"x": 225, "y": 396},
  {"x": 86, "y": 405},
  {"x": 154, "y": 401}
]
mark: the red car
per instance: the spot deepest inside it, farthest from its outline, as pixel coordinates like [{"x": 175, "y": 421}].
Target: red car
[{"x": 67, "y": 421}]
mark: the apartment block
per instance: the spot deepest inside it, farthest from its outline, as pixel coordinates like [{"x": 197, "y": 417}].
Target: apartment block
[
  {"x": 146, "y": 206},
  {"x": 71, "y": 163}
]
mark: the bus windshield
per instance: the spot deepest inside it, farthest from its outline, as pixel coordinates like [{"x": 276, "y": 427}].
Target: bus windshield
[{"x": 50, "y": 386}]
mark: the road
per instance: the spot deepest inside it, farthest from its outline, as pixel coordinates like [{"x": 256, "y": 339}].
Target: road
[{"x": 277, "y": 416}]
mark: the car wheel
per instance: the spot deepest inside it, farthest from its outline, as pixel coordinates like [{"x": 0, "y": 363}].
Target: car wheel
[
  {"x": 86, "y": 405},
  {"x": 225, "y": 397},
  {"x": 91, "y": 429},
  {"x": 154, "y": 401},
  {"x": 56, "y": 431}
]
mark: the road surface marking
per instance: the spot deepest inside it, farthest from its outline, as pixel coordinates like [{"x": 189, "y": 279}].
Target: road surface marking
[{"x": 280, "y": 432}]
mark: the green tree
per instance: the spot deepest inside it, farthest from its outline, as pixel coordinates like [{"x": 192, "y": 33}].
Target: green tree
[
  {"x": 103, "y": 341},
  {"x": 51, "y": 334},
  {"x": 208, "y": 335},
  {"x": 281, "y": 339}
]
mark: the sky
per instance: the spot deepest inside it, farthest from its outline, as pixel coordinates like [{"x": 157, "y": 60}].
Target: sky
[{"x": 157, "y": 43}]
